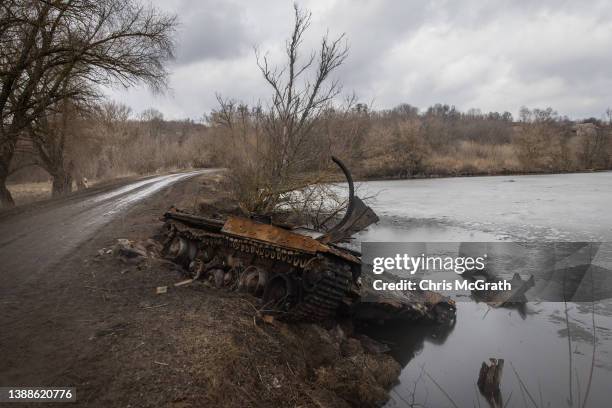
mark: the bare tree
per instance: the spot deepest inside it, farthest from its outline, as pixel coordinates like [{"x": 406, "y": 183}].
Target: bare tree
[
  {"x": 283, "y": 154},
  {"x": 541, "y": 141},
  {"x": 346, "y": 127},
  {"x": 593, "y": 146},
  {"x": 56, "y": 138},
  {"x": 154, "y": 120},
  {"x": 110, "y": 113},
  {"x": 49, "y": 45}
]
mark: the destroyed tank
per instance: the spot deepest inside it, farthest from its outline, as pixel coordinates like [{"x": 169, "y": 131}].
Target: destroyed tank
[{"x": 299, "y": 274}]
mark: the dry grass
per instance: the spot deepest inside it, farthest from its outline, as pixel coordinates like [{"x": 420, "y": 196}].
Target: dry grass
[
  {"x": 474, "y": 158},
  {"x": 28, "y": 192},
  {"x": 468, "y": 158},
  {"x": 24, "y": 193},
  {"x": 149, "y": 156}
]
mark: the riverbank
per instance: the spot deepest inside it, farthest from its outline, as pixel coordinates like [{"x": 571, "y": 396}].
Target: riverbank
[
  {"x": 426, "y": 176},
  {"x": 32, "y": 192}
]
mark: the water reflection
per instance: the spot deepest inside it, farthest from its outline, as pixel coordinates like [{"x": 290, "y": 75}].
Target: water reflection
[
  {"x": 406, "y": 341},
  {"x": 548, "y": 347},
  {"x": 534, "y": 342}
]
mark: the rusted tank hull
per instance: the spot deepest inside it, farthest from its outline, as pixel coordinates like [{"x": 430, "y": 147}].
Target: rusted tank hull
[{"x": 296, "y": 279}]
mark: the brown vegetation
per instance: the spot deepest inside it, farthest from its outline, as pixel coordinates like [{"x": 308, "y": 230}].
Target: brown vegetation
[
  {"x": 446, "y": 142},
  {"x": 442, "y": 141},
  {"x": 106, "y": 142}
]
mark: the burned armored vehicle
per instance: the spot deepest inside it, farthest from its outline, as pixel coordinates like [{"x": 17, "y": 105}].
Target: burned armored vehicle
[{"x": 298, "y": 273}]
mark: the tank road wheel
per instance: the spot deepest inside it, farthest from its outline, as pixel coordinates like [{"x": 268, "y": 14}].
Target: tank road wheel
[
  {"x": 218, "y": 277},
  {"x": 252, "y": 280},
  {"x": 279, "y": 293},
  {"x": 230, "y": 279},
  {"x": 181, "y": 250}
]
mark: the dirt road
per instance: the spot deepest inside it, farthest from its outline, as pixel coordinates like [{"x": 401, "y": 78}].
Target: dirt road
[
  {"x": 30, "y": 243},
  {"x": 49, "y": 312}
]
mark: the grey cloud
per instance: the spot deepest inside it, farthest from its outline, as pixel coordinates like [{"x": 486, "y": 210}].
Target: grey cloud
[
  {"x": 372, "y": 28},
  {"x": 471, "y": 53},
  {"x": 210, "y": 30}
]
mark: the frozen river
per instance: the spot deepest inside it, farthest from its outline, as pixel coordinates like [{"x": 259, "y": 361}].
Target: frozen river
[
  {"x": 552, "y": 355},
  {"x": 557, "y": 207}
]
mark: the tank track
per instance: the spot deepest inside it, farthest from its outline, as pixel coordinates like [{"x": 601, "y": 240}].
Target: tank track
[{"x": 313, "y": 302}]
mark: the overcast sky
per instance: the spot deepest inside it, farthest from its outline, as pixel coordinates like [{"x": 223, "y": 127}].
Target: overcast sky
[{"x": 493, "y": 55}]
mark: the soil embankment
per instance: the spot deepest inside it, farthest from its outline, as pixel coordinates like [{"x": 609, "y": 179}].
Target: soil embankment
[{"x": 95, "y": 322}]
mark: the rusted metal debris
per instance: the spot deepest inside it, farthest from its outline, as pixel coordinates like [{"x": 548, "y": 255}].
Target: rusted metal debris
[
  {"x": 503, "y": 298},
  {"x": 395, "y": 306},
  {"x": 358, "y": 215},
  {"x": 298, "y": 277}
]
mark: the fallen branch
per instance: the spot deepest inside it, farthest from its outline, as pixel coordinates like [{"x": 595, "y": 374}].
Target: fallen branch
[{"x": 152, "y": 307}]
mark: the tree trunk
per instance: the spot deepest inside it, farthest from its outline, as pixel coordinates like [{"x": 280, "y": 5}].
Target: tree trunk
[
  {"x": 6, "y": 199},
  {"x": 62, "y": 183}
]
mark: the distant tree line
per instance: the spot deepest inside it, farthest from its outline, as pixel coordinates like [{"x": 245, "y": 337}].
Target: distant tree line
[{"x": 443, "y": 141}]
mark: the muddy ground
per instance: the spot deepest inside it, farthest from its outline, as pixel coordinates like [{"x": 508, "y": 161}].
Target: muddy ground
[{"x": 95, "y": 322}]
